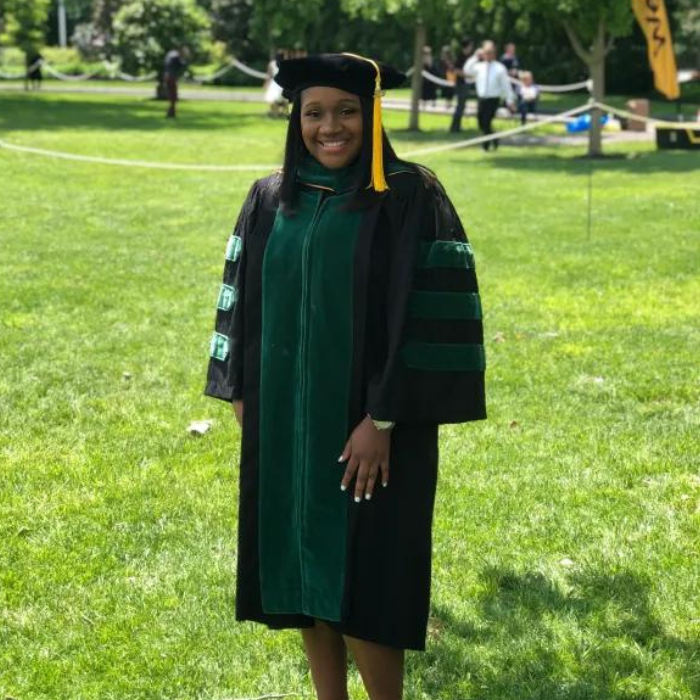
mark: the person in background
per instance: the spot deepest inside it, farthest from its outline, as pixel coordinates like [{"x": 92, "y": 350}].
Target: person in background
[
  {"x": 461, "y": 86},
  {"x": 173, "y": 68},
  {"x": 510, "y": 60},
  {"x": 528, "y": 93},
  {"x": 428, "y": 87},
  {"x": 492, "y": 86},
  {"x": 33, "y": 74},
  {"x": 445, "y": 68}
]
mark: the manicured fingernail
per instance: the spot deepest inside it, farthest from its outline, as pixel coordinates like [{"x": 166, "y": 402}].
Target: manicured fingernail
[
  {"x": 368, "y": 496},
  {"x": 343, "y": 487},
  {"x": 357, "y": 499},
  {"x": 385, "y": 483},
  {"x": 340, "y": 459}
]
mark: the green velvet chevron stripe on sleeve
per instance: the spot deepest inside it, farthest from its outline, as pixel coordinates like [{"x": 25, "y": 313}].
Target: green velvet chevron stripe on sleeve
[
  {"x": 218, "y": 348},
  {"x": 227, "y": 297},
  {"x": 438, "y": 357},
  {"x": 233, "y": 248},
  {"x": 445, "y": 254},
  {"x": 445, "y": 305}
]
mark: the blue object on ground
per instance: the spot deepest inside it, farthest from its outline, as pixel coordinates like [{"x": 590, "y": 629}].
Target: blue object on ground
[{"x": 583, "y": 123}]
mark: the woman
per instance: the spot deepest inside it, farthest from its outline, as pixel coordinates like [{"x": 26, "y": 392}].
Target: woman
[{"x": 348, "y": 327}]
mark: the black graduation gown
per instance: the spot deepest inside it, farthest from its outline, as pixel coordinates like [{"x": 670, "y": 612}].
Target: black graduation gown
[{"x": 416, "y": 358}]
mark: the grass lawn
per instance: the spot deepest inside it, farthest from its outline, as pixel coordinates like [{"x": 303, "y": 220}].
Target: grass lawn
[{"x": 566, "y": 555}]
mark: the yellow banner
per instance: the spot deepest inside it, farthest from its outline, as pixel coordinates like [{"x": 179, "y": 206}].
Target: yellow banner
[{"x": 653, "y": 19}]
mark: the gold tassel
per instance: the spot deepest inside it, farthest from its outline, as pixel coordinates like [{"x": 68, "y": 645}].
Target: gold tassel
[{"x": 378, "y": 180}]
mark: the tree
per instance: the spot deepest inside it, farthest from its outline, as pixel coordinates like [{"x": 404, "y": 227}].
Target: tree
[
  {"x": 592, "y": 27},
  {"x": 284, "y": 23},
  {"x": 103, "y": 14},
  {"x": 687, "y": 35},
  {"x": 415, "y": 16},
  {"x": 231, "y": 23},
  {"x": 24, "y": 23},
  {"x": 145, "y": 30}
]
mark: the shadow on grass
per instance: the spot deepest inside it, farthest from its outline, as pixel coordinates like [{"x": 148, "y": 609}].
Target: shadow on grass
[
  {"x": 596, "y": 638},
  {"x": 656, "y": 161},
  {"x": 23, "y": 113},
  {"x": 432, "y": 136}
]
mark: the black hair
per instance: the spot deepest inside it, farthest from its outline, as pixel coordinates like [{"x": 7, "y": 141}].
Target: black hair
[{"x": 295, "y": 151}]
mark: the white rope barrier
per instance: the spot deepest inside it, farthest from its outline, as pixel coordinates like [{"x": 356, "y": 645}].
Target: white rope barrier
[
  {"x": 570, "y": 87},
  {"x": 64, "y": 76},
  {"x": 563, "y": 116},
  {"x": 213, "y": 76},
  {"x": 436, "y": 79},
  {"x": 133, "y": 163},
  {"x": 115, "y": 72},
  {"x": 632, "y": 116},
  {"x": 249, "y": 71},
  {"x": 499, "y": 135}
]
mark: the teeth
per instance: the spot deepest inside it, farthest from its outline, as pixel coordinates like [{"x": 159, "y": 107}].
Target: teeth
[{"x": 332, "y": 144}]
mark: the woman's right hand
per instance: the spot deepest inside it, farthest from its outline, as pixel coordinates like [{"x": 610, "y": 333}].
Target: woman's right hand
[{"x": 238, "y": 412}]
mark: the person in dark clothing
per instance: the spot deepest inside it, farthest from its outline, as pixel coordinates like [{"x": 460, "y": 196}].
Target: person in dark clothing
[
  {"x": 461, "y": 85},
  {"x": 174, "y": 66},
  {"x": 33, "y": 74},
  {"x": 428, "y": 87},
  {"x": 510, "y": 60},
  {"x": 348, "y": 327}
]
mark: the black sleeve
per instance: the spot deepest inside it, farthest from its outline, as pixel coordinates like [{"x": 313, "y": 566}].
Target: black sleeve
[
  {"x": 225, "y": 372},
  {"x": 435, "y": 362}
]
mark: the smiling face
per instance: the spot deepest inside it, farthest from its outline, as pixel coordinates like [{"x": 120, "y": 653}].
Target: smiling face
[{"x": 331, "y": 125}]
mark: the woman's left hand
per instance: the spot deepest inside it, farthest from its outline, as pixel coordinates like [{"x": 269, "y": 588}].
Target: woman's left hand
[{"x": 366, "y": 454}]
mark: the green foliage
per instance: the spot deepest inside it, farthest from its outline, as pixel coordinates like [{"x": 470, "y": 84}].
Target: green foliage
[
  {"x": 145, "y": 30},
  {"x": 25, "y": 23},
  {"x": 584, "y": 16},
  {"x": 440, "y": 16},
  {"x": 104, "y": 12},
  {"x": 284, "y": 23},
  {"x": 687, "y": 31},
  {"x": 230, "y": 24}
]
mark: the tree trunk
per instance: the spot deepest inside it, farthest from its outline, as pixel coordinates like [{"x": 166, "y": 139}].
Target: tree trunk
[
  {"x": 597, "y": 71},
  {"x": 417, "y": 77}
]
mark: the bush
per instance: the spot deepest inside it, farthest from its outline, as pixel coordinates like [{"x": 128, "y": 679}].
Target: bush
[{"x": 145, "y": 30}]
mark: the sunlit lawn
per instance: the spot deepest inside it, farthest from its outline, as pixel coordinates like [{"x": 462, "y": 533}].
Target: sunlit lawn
[{"x": 566, "y": 536}]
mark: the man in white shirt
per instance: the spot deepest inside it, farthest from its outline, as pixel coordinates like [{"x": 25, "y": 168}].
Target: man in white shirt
[{"x": 492, "y": 86}]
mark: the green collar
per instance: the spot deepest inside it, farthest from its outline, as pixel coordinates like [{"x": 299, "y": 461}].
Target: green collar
[{"x": 311, "y": 172}]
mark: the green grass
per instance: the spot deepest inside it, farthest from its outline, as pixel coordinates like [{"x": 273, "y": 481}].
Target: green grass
[{"x": 567, "y": 525}]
